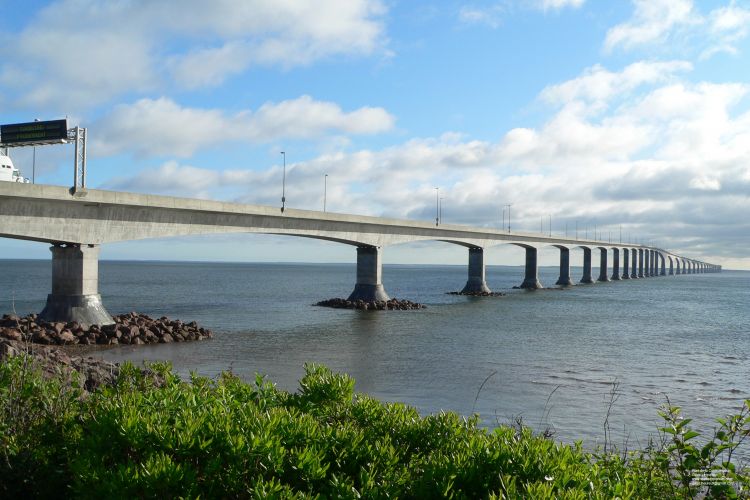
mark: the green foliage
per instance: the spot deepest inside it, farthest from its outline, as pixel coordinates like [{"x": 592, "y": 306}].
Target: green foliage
[{"x": 153, "y": 434}]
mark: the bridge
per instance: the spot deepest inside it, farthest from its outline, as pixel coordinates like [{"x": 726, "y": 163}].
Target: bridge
[{"x": 77, "y": 221}]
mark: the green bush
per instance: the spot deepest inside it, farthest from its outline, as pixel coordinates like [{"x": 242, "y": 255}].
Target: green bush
[{"x": 155, "y": 435}]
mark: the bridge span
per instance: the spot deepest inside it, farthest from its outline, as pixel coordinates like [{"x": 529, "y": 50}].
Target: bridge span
[{"x": 77, "y": 222}]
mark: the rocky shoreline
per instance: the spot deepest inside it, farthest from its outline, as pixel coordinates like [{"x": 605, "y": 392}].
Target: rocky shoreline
[
  {"x": 129, "y": 329},
  {"x": 373, "y": 305},
  {"x": 479, "y": 294},
  {"x": 91, "y": 373}
]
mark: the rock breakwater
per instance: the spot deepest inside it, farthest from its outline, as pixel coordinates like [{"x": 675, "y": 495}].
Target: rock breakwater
[
  {"x": 373, "y": 305},
  {"x": 130, "y": 329}
]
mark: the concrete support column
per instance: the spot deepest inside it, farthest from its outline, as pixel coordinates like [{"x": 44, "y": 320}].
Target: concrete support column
[
  {"x": 651, "y": 267},
  {"x": 647, "y": 263},
  {"x": 369, "y": 285},
  {"x": 476, "y": 282},
  {"x": 625, "y": 266},
  {"x": 663, "y": 261},
  {"x": 603, "y": 276},
  {"x": 616, "y": 264},
  {"x": 634, "y": 265},
  {"x": 586, "y": 266},
  {"x": 671, "y": 266},
  {"x": 531, "y": 278},
  {"x": 640, "y": 263},
  {"x": 75, "y": 287},
  {"x": 564, "y": 279}
]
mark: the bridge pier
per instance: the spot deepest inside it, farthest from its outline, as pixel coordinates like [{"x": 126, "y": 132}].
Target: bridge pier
[
  {"x": 616, "y": 264},
  {"x": 476, "y": 281},
  {"x": 369, "y": 285},
  {"x": 564, "y": 279},
  {"x": 663, "y": 261},
  {"x": 586, "y": 266},
  {"x": 634, "y": 266},
  {"x": 603, "y": 276},
  {"x": 640, "y": 263},
  {"x": 671, "y": 266},
  {"x": 75, "y": 287},
  {"x": 531, "y": 278},
  {"x": 625, "y": 266},
  {"x": 646, "y": 263}
]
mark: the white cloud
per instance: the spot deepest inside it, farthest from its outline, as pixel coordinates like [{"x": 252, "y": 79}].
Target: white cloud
[
  {"x": 683, "y": 25},
  {"x": 493, "y": 14},
  {"x": 727, "y": 26},
  {"x": 560, "y": 4},
  {"x": 83, "y": 52},
  {"x": 705, "y": 183},
  {"x": 652, "y": 21},
  {"x": 163, "y": 127},
  {"x": 598, "y": 84}
]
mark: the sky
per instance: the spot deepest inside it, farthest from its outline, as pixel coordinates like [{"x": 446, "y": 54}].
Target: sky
[{"x": 631, "y": 117}]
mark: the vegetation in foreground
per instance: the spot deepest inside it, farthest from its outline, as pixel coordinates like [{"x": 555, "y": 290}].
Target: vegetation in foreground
[{"x": 160, "y": 436}]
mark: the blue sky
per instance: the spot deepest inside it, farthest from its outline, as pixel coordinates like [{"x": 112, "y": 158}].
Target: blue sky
[{"x": 627, "y": 113}]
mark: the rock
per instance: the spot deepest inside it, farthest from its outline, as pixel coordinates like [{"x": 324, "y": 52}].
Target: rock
[
  {"x": 11, "y": 334},
  {"x": 58, "y": 327},
  {"x": 40, "y": 338},
  {"x": 167, "y": 338},
  {"x": 392, "y": 304},
  {"x": 67, "y": 337}
]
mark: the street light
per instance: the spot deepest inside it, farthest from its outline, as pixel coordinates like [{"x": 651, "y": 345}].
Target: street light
[
  {"x": 550, "y": 225},
  {"x": 440, "y": 209},
  {"x": 33, "y": 161},
  {"x": 437, "y": 206},
  {"x": 509, "y": 205},
  {"x": 325, "y": 190},
  {"x": 283, "y": 184}
]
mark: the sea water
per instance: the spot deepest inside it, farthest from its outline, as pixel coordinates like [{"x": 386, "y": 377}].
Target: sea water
[{"x": 557, "y": 359}]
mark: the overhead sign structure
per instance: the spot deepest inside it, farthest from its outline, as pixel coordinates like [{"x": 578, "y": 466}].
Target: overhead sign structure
[{"x": 34, "y": 133}]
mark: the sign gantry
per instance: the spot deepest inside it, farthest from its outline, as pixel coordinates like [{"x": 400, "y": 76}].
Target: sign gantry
[{"x": 45, "y": 133}]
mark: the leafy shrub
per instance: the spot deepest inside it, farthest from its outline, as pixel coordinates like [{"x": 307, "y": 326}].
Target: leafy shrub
[{"x": 153, "y": 434}]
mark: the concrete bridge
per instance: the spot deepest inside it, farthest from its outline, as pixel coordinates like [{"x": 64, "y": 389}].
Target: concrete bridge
[{"x": 76, "y": 223}]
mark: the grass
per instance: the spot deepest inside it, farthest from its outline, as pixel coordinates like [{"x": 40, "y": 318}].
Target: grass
[{"x": 228, "y": 438}]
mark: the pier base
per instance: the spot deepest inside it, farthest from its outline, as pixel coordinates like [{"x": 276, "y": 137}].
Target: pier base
[
  {"x": 603, "y": 276},
  {"x": 625, "y": 264},
  {"x": 531, "y": 277},
  {"x": 75, "y": 287},
  {"x": 564, "y": 279},
  {"x": 586, "y": 279},
  {"x": 369, "y": 285},
  {"x": 476, "y": 282}
]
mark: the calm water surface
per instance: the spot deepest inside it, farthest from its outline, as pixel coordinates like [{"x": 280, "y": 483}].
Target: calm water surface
[{"x": 685, "y": 337}]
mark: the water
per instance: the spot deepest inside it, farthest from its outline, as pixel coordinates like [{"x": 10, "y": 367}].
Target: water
[{"x": 552, "y": 355}]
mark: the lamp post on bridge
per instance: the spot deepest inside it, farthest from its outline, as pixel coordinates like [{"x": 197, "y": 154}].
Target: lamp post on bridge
[
  {"x": 440, "y": 209},
  {"x": 437, "y": 206},
  {"x": 325, "y": 190},
  {"x": 509, "y": 205},
  {"x": 283, "y": 183},
  {"x": 33, "y": 162}
]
